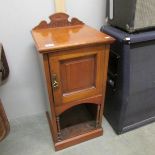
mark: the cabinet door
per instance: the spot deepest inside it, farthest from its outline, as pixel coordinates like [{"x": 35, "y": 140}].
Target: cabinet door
[{"x": 77, "y": 74}]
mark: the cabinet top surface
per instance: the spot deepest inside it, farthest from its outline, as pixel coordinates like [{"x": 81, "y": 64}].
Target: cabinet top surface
[{"x": 52, "y": 39}]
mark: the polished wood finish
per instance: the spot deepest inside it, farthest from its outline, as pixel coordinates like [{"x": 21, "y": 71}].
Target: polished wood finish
[
  {"x": 94, "y": 100},
  {"x": 4, "y": 123},
  {"x": 75, "y": 140},
  {"x": 68, "y": 37},
  {"x": 75, "y": 61},
  {"x": 79, "y": 139},
  {"x": 82, "y": 78},
  {"x": 58, "y": 20},
  {"x": 51, "y": 109}
]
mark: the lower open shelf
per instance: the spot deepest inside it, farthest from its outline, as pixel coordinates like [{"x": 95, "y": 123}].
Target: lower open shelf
[
  {"x": 78, "y": 120},
  {"x": 78, "y": 124},
  {"x": 77, "y": 129}
]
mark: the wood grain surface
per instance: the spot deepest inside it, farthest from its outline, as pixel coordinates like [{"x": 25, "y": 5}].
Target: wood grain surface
[{"x": 75, "y": 63}]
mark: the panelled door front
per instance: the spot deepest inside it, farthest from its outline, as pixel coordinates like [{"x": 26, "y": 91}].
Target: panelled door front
[{"x": 77, "y": 74}]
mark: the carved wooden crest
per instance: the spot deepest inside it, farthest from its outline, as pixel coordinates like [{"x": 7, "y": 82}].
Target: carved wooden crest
[{"x": 59, "y": 20}]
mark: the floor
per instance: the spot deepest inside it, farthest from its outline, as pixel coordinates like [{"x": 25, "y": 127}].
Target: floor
[{"x": 31, "y": 136}]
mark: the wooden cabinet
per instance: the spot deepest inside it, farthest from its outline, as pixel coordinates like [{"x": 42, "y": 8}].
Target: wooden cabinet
[
  {"x": 4, "y": 123},
  {"x": 75, "y": 60}
]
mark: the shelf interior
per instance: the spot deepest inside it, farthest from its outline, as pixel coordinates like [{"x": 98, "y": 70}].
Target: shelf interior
[{"x": 78, "y": 120}]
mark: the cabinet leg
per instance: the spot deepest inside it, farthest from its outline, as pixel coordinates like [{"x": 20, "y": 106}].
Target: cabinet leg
[
  {"x": 59, "y": 130},
  {"x": 98, "y": 116}
]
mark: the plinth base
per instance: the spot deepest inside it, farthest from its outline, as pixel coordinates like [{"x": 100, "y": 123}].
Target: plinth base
[{"x": 75, "y": 140}]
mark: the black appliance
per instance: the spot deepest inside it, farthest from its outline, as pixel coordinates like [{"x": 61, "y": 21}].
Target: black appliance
[
  {"x": 131, "y": 15},
  {"x": 130, "y": 95}
]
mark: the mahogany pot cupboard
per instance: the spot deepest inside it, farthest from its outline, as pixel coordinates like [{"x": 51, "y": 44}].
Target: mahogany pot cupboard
[{"x": 75, "y": 58}]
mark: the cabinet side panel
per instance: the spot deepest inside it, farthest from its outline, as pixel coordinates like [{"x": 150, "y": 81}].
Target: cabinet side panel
[
  {"x": 47, "y": 104},
  {"x": 105, "y": 59},
  {"x": 50, "y": 95}
]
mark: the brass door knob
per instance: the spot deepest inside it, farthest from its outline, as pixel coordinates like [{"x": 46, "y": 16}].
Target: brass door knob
[{"x": 55, "y": 83}]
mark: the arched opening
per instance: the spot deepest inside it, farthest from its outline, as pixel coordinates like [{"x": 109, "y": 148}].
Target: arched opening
[{"x": 78, "y": 120}]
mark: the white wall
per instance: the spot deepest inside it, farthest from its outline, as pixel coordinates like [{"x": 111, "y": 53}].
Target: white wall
[
  {"x": 91, "y": 12},
  {"x": 23, "y": 94}
]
